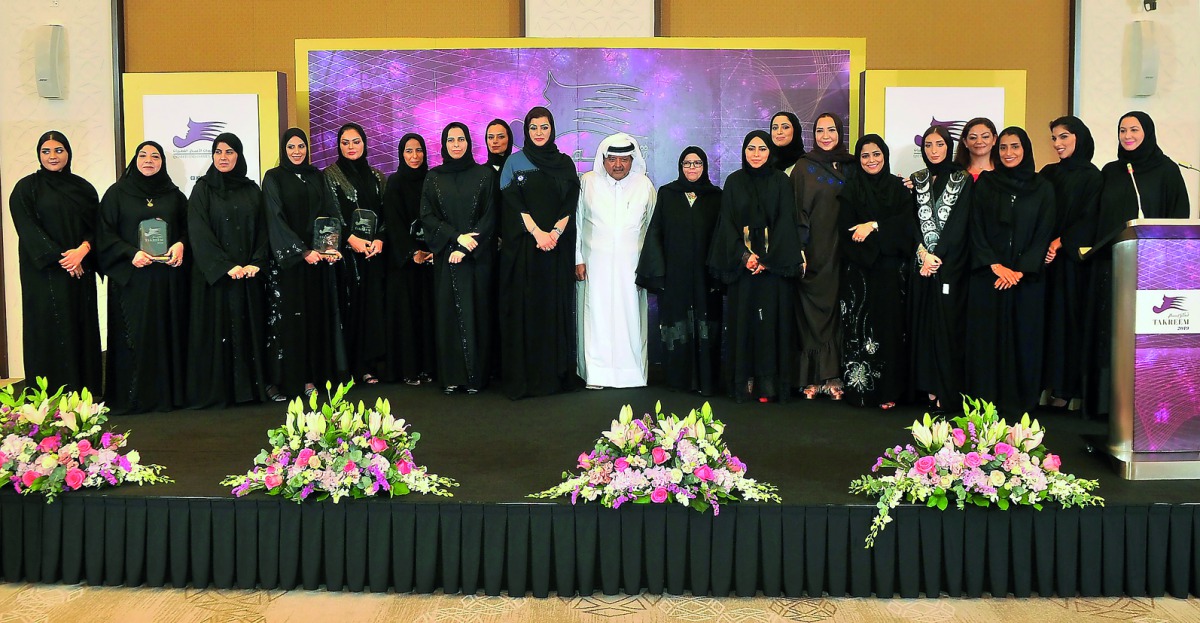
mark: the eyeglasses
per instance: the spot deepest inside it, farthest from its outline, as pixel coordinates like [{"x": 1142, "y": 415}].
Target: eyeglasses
[{"x": 693, "y": 164}]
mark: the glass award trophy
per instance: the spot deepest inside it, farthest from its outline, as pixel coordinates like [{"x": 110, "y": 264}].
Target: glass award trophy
[
  {"x": 153, "y": 239},
  {"x": 363, "y": 224},
  {"x": 327, "y": 235}
]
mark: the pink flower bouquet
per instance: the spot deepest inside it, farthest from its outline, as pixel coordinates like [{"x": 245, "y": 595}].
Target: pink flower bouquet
[
  {"x": 55, "y": 443},
  {"x": 662, "y": 459},
  {"x": 978, "y": 459},
  {"x": 339, "y": 450}
]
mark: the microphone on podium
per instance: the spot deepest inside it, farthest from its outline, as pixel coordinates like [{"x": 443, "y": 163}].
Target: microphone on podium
[{"x": 1129, "y": 167}]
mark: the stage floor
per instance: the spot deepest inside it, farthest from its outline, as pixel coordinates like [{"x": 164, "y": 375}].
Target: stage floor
[{"x": 501, "y": 450}]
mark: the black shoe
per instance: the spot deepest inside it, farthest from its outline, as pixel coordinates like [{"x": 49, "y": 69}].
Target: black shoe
[
  {"x": 471, "y": 391},
  {"x": 412, "y": 380},
  {"x": 450, "y": 389},
  {"x": 274, "y": 395}
]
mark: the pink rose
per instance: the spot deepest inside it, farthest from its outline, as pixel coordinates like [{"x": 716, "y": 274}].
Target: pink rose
[
  {"x": 50, "y": 444},
  {"x": 704, "y": 473},
  {"x": 75, "y": 478},
  {"x": 85, "y": 448},
  {"x": 1003, "y": 448},
  {"x": 659, "y": 495},
  {"x": 972, "y": 460},
  {"x": 660, "y": 456},
  {"x": 925, "y": 464},
  {"x": 404, "y": 467},
  {"x": 621, "y": 464},
  {"x": 274, "y": 480},
  {"x": 959, "y": 437},
  {"x": 1052, "y": 462},
  {"x": 350, "y": 467},
  {"x": 29, "y": 477},
  {"x": 3, "y": 458},
  {"x": 304, "y": 456},
  {"x": 378, "y": 444}
]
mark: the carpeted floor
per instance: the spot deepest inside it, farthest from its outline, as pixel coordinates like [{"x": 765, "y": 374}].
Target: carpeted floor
[
  {"x": 34, "y": 603},
  {"x": 501, "y": 450}
]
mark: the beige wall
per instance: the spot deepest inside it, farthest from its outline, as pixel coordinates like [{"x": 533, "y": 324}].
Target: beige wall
[
  {"x": 85, "y": 116},
  {"x": 1175, "y": 106}
]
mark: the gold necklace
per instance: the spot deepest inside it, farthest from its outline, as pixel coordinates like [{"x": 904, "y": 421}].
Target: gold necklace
[{"x": 149, "y": 202}]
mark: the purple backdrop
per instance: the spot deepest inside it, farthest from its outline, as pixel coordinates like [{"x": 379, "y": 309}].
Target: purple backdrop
[{"x": 668, "y": 98}]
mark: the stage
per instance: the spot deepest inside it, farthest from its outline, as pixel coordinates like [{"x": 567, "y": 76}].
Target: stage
[{"x": 490, "y": 538}]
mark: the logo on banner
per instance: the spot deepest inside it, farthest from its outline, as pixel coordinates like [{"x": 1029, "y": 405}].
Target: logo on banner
[
  {"x": 1166, "y": 311},
  {"x": 199, "y": 131},
  {"x": 955, "y": 128}
]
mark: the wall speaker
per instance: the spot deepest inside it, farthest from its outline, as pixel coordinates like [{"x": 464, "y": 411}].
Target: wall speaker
[
  {"x": 50, "y": 62},
  {"x": 1141, "y": 59}
]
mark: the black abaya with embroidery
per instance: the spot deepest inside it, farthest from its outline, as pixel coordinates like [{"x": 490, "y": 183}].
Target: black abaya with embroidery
[
  {"x": 53, "y": 212},
  {"x": 874, "y": 284},
  {"x": 937, "y": 303},
  {"x": 304, "y": 333},
  {"x": 673, "y": 266},
  {"x": 1012, "y": 223},
  {"x": 457, "y": 201},
  {"x": 227, "y": 333}
]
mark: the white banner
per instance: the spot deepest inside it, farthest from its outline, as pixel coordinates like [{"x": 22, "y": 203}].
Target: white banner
[
  {"x": 185, "y": 125},
  {"x": 909, "y": 111},
  {"x": 1167, "y": 312}
]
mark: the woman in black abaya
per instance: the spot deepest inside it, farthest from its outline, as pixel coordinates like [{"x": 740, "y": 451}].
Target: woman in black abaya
[
  {"x": 673, "y": 266},
  {"x": 362, "y": 278},
  {"x": 1012, "y": 224},
  {"x": 756, "y": 251},
  {"x": 460, "y": 222},
  {"x": 146, "y": 364},
  {"x": 938, "y": 293},
  {"x": 304, "y": 333},
  {"x": 410, "y": 264},
  {"x": 537, "y": 264},
  {"x": 786, "y": 141},
  {"x": 227, "y": 334},
  {"x": 875, "y": 222},
  {"x": 1077, "y": 184},
  {"x": 1160, "y": 193},
  {"x": 817, "y": 180},
  {"x": 54, "y": 213}
]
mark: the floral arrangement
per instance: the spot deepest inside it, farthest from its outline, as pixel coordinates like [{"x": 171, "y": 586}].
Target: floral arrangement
[
  {"x": 978, "y": 459},
  {"x": 339, "y": 450},
  {"x": 55, "y": 443},
  {"x": 662, "y": 459}
]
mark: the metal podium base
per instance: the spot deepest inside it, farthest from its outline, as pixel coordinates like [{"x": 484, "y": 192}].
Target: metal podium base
[{"x": 1155, "y": 465}]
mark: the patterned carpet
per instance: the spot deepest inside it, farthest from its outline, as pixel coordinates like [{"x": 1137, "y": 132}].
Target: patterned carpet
[{"x": 74, "y": 604}]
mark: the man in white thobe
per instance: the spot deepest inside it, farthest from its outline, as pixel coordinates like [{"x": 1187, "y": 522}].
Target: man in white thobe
[{"x": 616, "y": 200}]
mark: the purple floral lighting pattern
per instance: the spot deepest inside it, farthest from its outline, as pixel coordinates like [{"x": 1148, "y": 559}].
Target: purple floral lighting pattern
[{"x": 667, "y": 98}]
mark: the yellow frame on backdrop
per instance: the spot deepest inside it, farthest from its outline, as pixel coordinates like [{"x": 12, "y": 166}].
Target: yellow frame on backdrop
[
  {"x": 856, "y": 45},
  {"x": 877, "y": 81},
  {"x": 270, "y": 86}
]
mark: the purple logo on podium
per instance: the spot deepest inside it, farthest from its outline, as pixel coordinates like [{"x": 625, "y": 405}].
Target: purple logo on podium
[{"x": 1170, "y": 302}]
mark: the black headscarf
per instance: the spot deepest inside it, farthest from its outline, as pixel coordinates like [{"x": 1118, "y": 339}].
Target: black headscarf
[
  {"x": 547, "y": 157},
  {"x": 1017, "y": 177},
  {"x": 947, "y": 165},
  {"x": 407, "y": 173},
  {"x": 839, "y": 153},
  {"x": 497, "y": 160},
  {"x": 787, "y": 155},
  {"x": 134, "y": 182},
  {"x": 886, "y": 170},
  {"x": 235, "y": 178},
  {"x": 769, "y": 165},
  {"x": 454, "y": 165},
  {"x": 873, "y": 194},
  {"x": 285, "y": 162},
  {"x": 1147, "y": 155},
  {"x": 703, "y": 185},
  {"x": 1085, "y": 146},
  {"x": 358, "y": 171},
  {"x": 63, "y": 181}
]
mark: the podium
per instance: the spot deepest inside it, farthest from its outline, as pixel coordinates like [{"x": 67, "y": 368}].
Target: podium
[{"x": 1154, "y": 423}]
